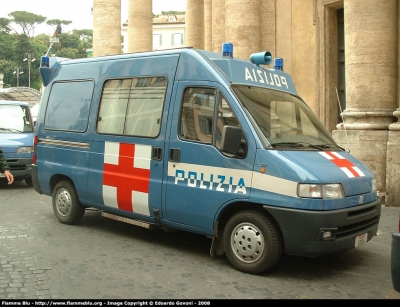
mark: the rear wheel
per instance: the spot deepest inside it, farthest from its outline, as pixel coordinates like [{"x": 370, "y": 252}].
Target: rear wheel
[
  {"x": 252, "y": 241},
  {"x": 66, "y": 205}
]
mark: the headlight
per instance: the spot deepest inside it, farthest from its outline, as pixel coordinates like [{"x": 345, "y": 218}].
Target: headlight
[
  {"x": 373, "y": 188},
  {"x": 329, "y": 191},
  {"x": 25, "y": 149}
]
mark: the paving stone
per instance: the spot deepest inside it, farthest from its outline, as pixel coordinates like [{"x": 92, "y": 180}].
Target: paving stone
[{"x": 41, "y": 258}]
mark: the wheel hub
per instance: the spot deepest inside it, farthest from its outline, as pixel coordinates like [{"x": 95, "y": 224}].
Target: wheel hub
[
  {"x": 247, "y": 242},
  {"x": 64, "y": 202}
]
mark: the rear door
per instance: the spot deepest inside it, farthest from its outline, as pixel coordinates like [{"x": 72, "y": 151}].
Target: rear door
[{"x": 126, "y": 150}]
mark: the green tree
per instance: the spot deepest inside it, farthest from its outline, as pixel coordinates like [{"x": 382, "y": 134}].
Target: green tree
[
  {"x": 14, "y": 46},
  {"x": 27, "y": 21},
  {"x": 4, "y": 25},
  {"x": 6, "y": 45},
  {"x": 85, "y": 37},
  {"x": 57, "y": 24},
  {"x": 172, "y": 13}
]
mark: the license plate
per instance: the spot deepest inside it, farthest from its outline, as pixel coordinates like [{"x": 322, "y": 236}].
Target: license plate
[{"x": 361, "y": 239}]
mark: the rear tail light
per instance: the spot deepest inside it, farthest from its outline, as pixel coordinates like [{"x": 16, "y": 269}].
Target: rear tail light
[{"x": 35, "y": 142}]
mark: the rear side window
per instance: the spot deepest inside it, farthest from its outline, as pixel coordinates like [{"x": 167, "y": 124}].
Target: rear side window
[
  {"x": 68, "y": 106},
  {"x": 132, "y": 106}
]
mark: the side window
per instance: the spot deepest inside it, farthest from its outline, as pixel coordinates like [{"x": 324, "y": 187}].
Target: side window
[
  {"x": 226, "y": 117},
  {"x": 68, "y": 106},
  {"x": 197, "y": 115},
  {"x": 198, "y": 121},
  {"x": 132, "y": 106}
]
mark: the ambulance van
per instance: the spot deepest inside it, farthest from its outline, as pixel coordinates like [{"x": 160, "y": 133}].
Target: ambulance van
[{"x": 191, "y": 140}]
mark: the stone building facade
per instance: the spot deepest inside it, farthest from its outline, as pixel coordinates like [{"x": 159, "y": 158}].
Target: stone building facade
[
  {"x": 168, "y": 32},
  {"x": 342, "y": 54}
]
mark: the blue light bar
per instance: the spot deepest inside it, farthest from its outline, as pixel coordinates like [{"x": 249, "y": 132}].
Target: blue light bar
[
  {"x": 227, "y": 50},
  {"x": 278, "y": 64},
  {"x": 261, "y": 58},
  {"x": 44, "y": 61}
]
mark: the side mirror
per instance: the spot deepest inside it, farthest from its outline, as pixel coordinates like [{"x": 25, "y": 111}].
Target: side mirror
[{"x": 233, "y": 141}]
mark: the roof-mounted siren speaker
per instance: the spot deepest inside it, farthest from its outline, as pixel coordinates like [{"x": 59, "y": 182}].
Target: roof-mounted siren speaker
[
  {"x": 261, "y": 58},
  {"x": 227, "y": 50}
]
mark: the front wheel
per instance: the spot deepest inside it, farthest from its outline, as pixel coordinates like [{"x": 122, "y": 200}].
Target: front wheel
[
  {"x": 66, "y": 205},
  {"x": 253, "y": 242}
]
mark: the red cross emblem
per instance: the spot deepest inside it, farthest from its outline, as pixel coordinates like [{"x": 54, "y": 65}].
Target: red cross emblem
[
  {"x": 345, "y": 165},
  {"x": 122, "y": 173}
]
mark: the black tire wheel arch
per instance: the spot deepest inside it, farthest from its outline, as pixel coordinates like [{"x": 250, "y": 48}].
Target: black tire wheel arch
[
  {"x": 253, "y": 242},
  {"x": 66, "y": 205}
]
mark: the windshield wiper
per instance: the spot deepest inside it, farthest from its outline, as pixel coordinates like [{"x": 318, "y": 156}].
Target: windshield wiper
[
  {"x": 299, "y": 145},
  {"x": 329, "y": 146}
]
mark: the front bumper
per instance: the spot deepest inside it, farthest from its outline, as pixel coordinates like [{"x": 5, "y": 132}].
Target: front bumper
[
  {"x": 302, "y": 229},
  {"x": 19, "y": 167}
]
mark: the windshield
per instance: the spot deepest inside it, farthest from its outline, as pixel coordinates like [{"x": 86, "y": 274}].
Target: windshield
[
  {"x": 283, "y": 121},
  {"x": 15, "y": 119}
]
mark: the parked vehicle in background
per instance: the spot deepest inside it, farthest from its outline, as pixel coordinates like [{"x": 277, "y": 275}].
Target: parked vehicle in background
[
  {"x": 395, "y": 258},
  {"x": 16, "y": 137}
]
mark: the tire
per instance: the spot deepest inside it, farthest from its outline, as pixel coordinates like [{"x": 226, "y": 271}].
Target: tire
[
  {"x": 28, "y": 181},
  {"x": 264, "y": 243},
  {"x": 66, "y": 205}
]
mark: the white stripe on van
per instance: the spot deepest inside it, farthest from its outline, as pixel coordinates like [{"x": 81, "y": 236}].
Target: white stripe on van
[{"x": 229, "y": 180}]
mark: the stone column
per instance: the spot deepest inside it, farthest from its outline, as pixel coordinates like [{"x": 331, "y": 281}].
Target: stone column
[
  {"x": 371, "y": 58},
  {"x": 267, "y": 26},
  {"x": 242, "y": 26},
  {"x": 106, "y": 27},
  {"x": 194, "y": 24},
  {"x": 208, "y": 25},
  {"x": 393, "y": 146},
  {"x": 371, "y": 76},
  {"x": 218, "y": 25},
  {"x": 140, "y": 26}
]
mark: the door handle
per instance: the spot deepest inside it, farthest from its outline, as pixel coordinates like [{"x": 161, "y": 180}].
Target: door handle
[
  {"x": 157, "y": 153},
  {"x": 175, "y": 155}
]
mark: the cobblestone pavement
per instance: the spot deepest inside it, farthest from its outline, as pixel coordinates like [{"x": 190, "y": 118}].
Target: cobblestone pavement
[{"x": 100, "y": 258}]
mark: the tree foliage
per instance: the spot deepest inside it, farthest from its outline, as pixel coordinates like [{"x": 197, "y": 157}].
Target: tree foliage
[
  {"x": 57, "y": 23},
  {"x": 14, "y": 45},
  {"x": 173, "y": 12},
  {"x": 4, "y": 25},
  {"x": 27, "y": 21}
]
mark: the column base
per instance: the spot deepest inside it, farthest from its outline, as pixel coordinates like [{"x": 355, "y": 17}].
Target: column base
[{"x": 370, "y": 147}]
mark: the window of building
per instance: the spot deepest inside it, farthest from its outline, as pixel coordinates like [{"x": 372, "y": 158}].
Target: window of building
[
  {"x": 157, "y": 39},
  {"x": 177, "y": 39},
  {"x": 132, "y": 106}
]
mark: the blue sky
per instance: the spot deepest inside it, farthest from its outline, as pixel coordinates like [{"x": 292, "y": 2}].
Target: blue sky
[{"x": 78, "y": 11}]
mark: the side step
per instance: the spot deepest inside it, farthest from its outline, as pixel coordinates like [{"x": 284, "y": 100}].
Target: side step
[{"x": 129, "y": 221}]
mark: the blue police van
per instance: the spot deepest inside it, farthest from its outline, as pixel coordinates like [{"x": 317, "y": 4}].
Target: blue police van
[
  {"x": 202, "y": 142},
  {"x": 16, "y": 138}
]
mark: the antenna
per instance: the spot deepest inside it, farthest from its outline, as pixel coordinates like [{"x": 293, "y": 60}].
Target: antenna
[{"x": 341, "y": 114}]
